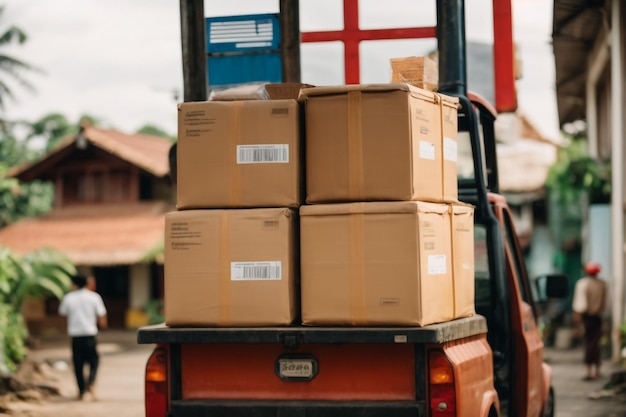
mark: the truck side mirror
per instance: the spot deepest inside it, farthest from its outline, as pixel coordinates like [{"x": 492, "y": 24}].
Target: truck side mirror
[{"x": 552, "y": 286}]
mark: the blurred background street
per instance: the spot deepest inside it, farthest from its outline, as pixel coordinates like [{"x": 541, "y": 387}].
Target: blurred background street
[{"x": 120, "y": 382}]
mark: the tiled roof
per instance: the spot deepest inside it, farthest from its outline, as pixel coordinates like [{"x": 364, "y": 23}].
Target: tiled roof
[
  {"x": 148, "y": 152},
  {"x": 92, "y": 235}
]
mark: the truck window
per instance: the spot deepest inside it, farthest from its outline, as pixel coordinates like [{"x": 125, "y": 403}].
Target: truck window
[
  {"x": 513, "y": 249},
  {"x": 481, "y": 269}
]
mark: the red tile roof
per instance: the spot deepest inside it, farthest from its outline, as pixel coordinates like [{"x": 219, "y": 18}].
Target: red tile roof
[
  {"x": 92, "y": 235},
  {"x": 148, "y": 152}
]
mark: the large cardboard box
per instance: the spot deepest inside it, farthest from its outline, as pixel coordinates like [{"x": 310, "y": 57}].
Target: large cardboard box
[
  {"x": 230, "y": 267},
  {"x": 449, "y": 128},
  {"x": 237, "y": 154},
  {"x": 372, "y": 142},
  {"x": 462, "y": 228},
  {"x": 376, "y": 263}
]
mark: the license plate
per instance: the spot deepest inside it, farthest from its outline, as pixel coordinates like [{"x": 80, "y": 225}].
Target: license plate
[{"x": 296, "y": 367}]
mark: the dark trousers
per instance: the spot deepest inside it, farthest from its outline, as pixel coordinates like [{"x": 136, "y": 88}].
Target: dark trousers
[
  {"x": 84, "y": 352},
  {"x": 593, "y": 334}
]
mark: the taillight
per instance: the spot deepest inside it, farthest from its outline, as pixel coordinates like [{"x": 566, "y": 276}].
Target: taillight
[
  {"x": 441, "y": 387},
  {"x": 156, "y": 384}
]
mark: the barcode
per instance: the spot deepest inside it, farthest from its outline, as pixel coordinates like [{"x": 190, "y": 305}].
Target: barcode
[
  {"x": 262, "y": 154},
  {"x": 245, "y": 271}
]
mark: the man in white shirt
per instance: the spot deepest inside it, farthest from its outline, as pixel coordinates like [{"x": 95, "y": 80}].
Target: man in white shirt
[{"x": 85, "y": 312}]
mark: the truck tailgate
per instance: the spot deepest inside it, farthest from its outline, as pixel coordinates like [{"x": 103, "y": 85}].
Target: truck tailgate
[{"x": 365, "y": 371}]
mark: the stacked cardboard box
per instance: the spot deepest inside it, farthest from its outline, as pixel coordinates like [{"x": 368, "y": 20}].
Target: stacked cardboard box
[
  {"x": 231, "y": 247},
  {"x": 380, "y": 236},
  {"x": 383, "y": 239}
]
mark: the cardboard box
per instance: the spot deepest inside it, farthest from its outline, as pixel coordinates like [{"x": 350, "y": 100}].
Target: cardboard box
[
  {"x": 281, "y": 91},
  {"x": 462, "y": 228},
  {"x": 372, "y": 143},
  {"x": 449, "y": 128},
  {"x": 419, "y": 71},
  {"x": 237, "y": 154},
  {"x": 376, "y": 263},
  {"x": 230, "y": 267}
]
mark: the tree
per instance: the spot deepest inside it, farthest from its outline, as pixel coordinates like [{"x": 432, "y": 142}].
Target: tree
[
  {"x": 10, "y": 67},
  {"x": 45, "y": 272}
]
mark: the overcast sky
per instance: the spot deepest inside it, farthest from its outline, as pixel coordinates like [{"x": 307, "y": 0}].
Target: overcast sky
[{"x": 120, "y": 60}]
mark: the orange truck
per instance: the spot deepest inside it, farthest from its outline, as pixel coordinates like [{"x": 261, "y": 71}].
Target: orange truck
[{"x": 488, "y": 365}]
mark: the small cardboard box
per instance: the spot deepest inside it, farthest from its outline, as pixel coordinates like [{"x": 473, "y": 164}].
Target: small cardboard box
[
  {"x": 230, "y": 267},
  {"x": 462, "y": 226},
  {"x": 376, "y": 263},
  {"x": 239, "y": 154},
  {"x": 419, "y": 71},
  {"x": 449, "y": 128},
  {"x": 372, "y": 143},
  {"x": 281, "y": 91}
]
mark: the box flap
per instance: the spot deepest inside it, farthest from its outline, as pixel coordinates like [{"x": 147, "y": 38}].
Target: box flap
[
  {"x": 370, "y": 88},
  {"x": 279, "y": 91},
  {"x": 449, "y": 100}
]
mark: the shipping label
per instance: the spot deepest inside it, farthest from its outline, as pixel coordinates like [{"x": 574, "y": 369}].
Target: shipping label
[
  {"x": 427, "y": 150},
  {"x": 256, "y": 271},
  {"x": 263, "y": 154},
  {"x": 436, "y": 264},
  {"x": 449, "y": 149}
]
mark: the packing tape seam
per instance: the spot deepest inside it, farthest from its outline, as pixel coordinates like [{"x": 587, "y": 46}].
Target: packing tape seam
[
  {"x": 356, "y": 178},
  {"x": 225, "y": 269},
  {"x": 358, "y": 309},
  {"x": 235, "y": 186}
]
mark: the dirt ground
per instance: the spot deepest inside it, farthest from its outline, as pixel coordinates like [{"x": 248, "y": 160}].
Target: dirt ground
[{"x": 119, "y": 384}]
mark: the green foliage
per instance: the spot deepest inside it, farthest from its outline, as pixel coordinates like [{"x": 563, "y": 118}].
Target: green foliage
[
  {"x": 12, "y": 335},
  {"x": 51, "y": 129},
  {"x": 10, "y": 67},
  {"x": 154, "y": 311},
  {"x": 22, "y": 200},
  {"x": 575, "y": 173},
  {"x": 42, "y": 273}
]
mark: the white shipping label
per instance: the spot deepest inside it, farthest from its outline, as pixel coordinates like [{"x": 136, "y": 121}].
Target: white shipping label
[
  {"x": 263, "y": 154},
  {"x": 427, "y": 150},
  {"x": 449, "y": 149},
  {"x": 255, "y": 271},
  {"x": 436, "y": 264}
]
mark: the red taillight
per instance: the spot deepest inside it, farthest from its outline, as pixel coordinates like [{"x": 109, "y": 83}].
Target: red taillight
[
  {"x": 156, "y": 384},
  {"x": 441, "y": 386}
]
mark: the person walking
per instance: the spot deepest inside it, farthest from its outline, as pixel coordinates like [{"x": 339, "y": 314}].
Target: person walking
[
  {"x": 589, "y": 304},
  {"x": 85, "y": 312}
]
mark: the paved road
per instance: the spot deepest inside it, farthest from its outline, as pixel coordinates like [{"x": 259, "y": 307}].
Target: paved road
[
  {"x": 573, "y": 394},
  {"x": 120, "y": 382}
]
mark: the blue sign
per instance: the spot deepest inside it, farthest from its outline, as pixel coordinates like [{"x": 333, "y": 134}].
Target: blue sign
[{"x": 243, "y": 49}]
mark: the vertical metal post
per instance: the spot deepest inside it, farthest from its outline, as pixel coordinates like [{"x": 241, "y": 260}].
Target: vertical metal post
[
  {"x": 193, "y": 39},
  {"x": 451, "y": 45},
  {"x": 290, "y": 40}
]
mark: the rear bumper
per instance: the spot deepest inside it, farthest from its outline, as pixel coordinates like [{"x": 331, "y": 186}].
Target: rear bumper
[{"x": 242, "y": 408}]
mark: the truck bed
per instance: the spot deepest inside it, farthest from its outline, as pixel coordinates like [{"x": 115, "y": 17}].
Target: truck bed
[{"x": 435, "y": 333}]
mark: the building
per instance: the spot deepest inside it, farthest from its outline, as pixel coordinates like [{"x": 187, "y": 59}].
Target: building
[
  {"x": 588, "y": 43},
  {"x": 111, "y": 193}
]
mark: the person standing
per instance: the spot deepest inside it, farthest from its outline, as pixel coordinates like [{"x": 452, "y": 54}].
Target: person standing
[
  {"x": 85, "y": 312},
  {"x": 589, "y": 304}
]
